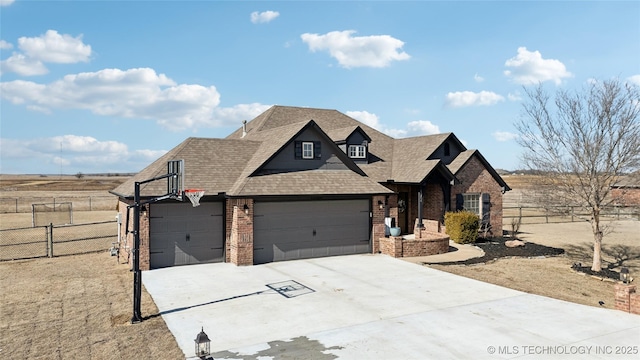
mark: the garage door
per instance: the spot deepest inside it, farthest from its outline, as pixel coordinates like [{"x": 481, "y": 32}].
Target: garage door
[
  {"x": 181, "y": 234},
  {"x": 308, "y": 229}
]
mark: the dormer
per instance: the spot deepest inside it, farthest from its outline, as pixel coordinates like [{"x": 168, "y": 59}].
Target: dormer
[
  {"x": 448, "y": 150},
  {"x": 354, "y": 142}
]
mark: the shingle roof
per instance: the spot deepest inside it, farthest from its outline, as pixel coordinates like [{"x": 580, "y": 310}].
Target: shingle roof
[
  {"x": 410, "y": 164},
  {"x": 230, "y": 165},
  {"x": 210, "y": 164},
  {"x": 311, "y": 182}
]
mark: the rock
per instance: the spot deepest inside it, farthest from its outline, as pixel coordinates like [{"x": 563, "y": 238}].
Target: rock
[{"x": 514, "y": 243}]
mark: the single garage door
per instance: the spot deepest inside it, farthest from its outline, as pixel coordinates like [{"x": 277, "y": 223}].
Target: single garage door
[
  {"x": 309, "y": 229},
  {"x": 181, "y": 234}
]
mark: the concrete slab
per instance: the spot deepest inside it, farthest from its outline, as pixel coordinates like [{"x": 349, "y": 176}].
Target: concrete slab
[{"x": 374, "y": 307}]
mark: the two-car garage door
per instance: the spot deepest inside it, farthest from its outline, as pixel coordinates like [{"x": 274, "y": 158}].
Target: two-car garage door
[
  {"x": 182, "y": 234},
  {"x": 309, "y": 229}
]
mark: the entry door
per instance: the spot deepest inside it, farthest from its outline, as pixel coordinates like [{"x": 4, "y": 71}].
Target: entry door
[
  {"x": 181, "y": 234},
  {"x": 308, "y": 229},
  {"x": 403, "y": 212}
]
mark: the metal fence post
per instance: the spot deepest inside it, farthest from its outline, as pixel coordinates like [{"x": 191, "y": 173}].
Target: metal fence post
[{"x": 50, "y": 228}]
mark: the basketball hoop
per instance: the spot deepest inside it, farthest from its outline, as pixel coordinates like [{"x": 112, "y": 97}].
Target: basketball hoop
[{"x": 194, "y": 196}]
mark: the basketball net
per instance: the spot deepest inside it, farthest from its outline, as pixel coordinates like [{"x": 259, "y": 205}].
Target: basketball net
[{"x": 194, "y": 196}]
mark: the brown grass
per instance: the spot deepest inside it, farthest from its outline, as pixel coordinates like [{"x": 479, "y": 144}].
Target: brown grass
[
  {"x": 553, "y": 276},
  {"x": 77, "y": 307}
]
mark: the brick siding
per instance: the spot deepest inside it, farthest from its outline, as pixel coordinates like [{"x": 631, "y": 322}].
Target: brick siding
[
  {"x": 240, "y": 239},
  {"x": 627, "y": 299},
  {"x": 475, "y": 178},
  {"x": 125, "y": 246},
  {"x": 626, "y": 196}
]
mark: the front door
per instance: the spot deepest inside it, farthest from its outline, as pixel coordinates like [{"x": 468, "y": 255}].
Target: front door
[{"x": 403, "y": 210}]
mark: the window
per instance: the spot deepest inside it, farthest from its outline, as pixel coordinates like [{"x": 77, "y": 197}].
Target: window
[
  {"x": 357, "y": 151},
  {"x": 447, "y": 149},
  {"x": 477, "y": 203},
  {"x": 307, "y": 150},
  {"x": 471, "y": 202}
]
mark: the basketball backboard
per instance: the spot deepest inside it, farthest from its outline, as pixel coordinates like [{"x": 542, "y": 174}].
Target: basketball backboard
[{"x": 175, "y": 183}]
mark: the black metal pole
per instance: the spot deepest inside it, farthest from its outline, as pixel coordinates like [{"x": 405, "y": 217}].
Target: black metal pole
[
  {"x": 137, "y": 274},
  {"x": 420, "y": 205}
]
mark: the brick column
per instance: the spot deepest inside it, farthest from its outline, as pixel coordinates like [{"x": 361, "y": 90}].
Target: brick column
[
  {"x": 241, "y": 239},
  {"x": 377, "y": 221},
  {"x": 627, "y": 299}
]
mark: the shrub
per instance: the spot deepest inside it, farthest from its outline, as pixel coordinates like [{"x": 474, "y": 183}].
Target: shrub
[{"x": 462, "y": 226}]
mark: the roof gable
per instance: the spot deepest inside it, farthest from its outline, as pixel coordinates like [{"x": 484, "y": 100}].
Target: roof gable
[
  {"x": 463, "y": 158},
  {"x": 341, "y": 136}
]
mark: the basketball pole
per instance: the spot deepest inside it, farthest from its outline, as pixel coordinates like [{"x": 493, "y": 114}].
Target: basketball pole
[{"x": 137, "y": 273}]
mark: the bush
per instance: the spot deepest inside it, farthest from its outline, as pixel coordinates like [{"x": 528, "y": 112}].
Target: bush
[{"x": 462, "y": 226}]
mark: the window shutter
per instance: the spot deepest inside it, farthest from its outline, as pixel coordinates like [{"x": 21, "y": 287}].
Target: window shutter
[
  {"x": 297, "y": 149},
  {"x": 459, "y": 202},
  {"x": 486, "y": 208},
  {"x": 316, "y": 150}
]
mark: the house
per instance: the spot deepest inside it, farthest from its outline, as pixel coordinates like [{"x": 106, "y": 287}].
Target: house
[
  {"x": 300, "y": 183},
  {"x": 626, "y": 192}
]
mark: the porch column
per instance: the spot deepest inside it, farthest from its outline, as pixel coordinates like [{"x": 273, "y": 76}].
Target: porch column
[{"x": 420, "y": 205}]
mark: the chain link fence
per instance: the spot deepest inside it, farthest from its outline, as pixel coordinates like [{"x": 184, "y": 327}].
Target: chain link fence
[
  {"x": 80, "y": 203},
  {"x": 57, "y": 240}
]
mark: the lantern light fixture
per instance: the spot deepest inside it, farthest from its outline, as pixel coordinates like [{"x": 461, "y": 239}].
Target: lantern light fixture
[
  {"x": 624, "y": 275},
  {"x": 202, "y": 345}
]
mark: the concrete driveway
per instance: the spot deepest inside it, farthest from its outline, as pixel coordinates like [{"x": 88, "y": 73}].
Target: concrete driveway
[{"x": 376, "y": 307}]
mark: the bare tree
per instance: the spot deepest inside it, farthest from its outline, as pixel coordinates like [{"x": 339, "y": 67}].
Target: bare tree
[{"x": 583, "y": 142}]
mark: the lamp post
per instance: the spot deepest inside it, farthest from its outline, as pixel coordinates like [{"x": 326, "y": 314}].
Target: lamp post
[
  {"x": 624, "y": 275},
  {"x": 202, "y": 345}
]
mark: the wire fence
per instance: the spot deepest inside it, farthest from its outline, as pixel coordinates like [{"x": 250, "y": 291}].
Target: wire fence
[
  {"x": 560, "y": 214},
  {"x": 57, "y": 240},
  {"x": 80, "y": 203}
]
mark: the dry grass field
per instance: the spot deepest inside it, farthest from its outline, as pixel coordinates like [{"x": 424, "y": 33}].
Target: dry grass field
[{"x": 80, "y": 306}]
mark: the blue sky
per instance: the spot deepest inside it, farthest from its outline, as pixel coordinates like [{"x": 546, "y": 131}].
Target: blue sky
[{"x": 102, "y": 86}]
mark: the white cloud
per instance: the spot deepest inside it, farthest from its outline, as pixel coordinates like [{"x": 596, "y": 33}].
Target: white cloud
[
  {"x": 504, "y": 136},
  {"x": 5, "y": 45},
  {"x": 422, "y": 127},
  {"x": 530, "y": 68},
  {"x": 6, "y": 2},
  {"x": 134, "y": 93},
  {"x": 414, "y": 128},
  {"x": 55, "y": 48},
  {"x": 366, "y": 118},
  {"x": 357, "y": 51},
  {"x": 635, "y": 79},
  {"x": 263, "y": 17},
  {"x": 50, "y": 47},
  {"x": 514, "y": 96},
  {"x": 82, "y": 153},
  {"x": 469, "y": 98},
  {"x": 478, "y": 78},
  {"x": 22, "y": 65}
]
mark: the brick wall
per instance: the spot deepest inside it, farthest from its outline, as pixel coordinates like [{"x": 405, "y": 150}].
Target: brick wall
[
  {"x": 433, "y": 203},
  {"x": 240, "y": 238},
  {"x": 391, "y": 246},
  {"x": 475, "y": 178},
  {"x": 377, "y": 220},
  {"x": 126, "y": 240},
  {"x": 397, "y": 247},
  {"x": 626, "y": 196},
  {"x": 627, "y": 299}
]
